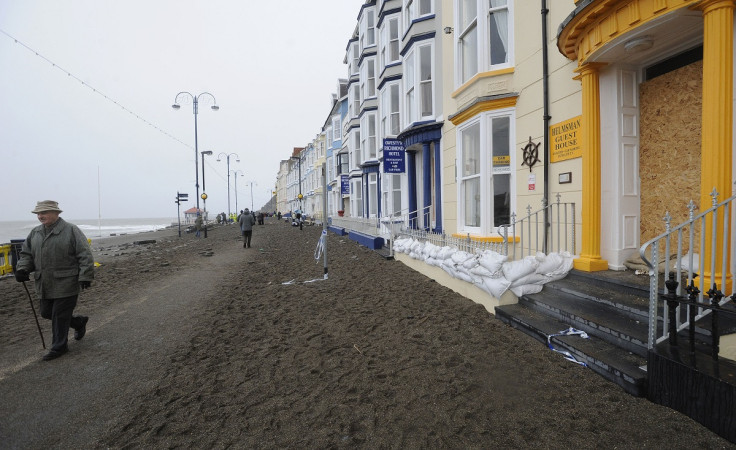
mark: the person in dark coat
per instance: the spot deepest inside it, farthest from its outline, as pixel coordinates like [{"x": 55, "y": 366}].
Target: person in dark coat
[
  {"x": 246, "y": 222},
  {"x": 60, "y": 258}
]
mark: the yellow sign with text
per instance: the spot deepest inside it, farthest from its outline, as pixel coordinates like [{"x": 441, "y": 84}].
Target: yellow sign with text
[{"x": 564, "y": 140}]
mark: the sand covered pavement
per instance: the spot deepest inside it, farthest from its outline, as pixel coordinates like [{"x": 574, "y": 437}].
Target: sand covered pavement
[{"x": 201, "y": 344}]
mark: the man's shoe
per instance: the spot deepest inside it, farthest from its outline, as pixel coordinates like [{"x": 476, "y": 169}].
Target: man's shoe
[
  {"x": 81, "y": 331},
  {"x": 53, "y": 354}
]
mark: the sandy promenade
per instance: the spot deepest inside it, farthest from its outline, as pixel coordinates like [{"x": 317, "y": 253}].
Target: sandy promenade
[{"x": 199, "y": 343}]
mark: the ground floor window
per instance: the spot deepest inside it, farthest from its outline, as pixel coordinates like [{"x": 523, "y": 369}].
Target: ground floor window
[
  {"x": 356, "y": 196},
  {"x": 373, "y": 194},
  {"x": 484, "y": 172}
]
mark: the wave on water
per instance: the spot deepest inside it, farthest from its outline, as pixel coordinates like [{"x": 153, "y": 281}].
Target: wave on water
[{"x": 91, "y": 228}]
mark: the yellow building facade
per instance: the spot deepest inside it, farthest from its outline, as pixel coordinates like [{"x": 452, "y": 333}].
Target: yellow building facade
[{"x": 639, "y": 116}]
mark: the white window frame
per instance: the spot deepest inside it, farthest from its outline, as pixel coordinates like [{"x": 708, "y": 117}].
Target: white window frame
[
  {"x": 354, "y": 102},
  {"x": 336, "y": 136},
  {"x": 368, "y": 29},
  {"x": 355, "y": 57},
  {"x": 414, "y": 85},
  {"x": 484, "y": 121},
  {"x": 369, "y": 141},
  {"x": 357, "y": 151},
  {"x": 409, "y": 89},
  {"x": 413, "y": 10},
  {"x": 482, "y": 26},
  {"x": 390, "y": 51},
  {"x": 390, "y": 110},
  {"x": 368, "y": 78},
  {"x": 356, "y": 197}
]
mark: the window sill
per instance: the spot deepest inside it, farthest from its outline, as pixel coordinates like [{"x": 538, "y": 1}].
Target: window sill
[{"x": 479, "y": 76}]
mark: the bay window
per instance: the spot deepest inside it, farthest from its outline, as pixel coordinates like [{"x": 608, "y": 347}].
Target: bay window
[
  {"x": 485, "y": 177},
  {"x": 484, "y": 37}
]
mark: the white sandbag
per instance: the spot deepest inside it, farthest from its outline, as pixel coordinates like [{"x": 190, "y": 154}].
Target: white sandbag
[
  {"x": 548, "y": 263},
  {"x": 471, "y": 262},
  {"x": 492, "y": 261},
  {"x": 450, "y": 269},
  {"x": 446, "y": 252},
  {"x": 481, "y": 271},
  {"x": 532, "y": 278},
  {"x": 496, "y": 286},
  {"x": 429, "y": 248},
  {"x": 463, "y": 276},
  {"x": 459, "y": 257},
  {"x": 564, "y": 269},
  {"x": 685, "y": 261},
  {"x": 526, "y": 289},
  {"x": 516, "y": 269}
]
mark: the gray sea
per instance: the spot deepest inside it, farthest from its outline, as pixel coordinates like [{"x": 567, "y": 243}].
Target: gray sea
[{"x": 93, "y": 228}]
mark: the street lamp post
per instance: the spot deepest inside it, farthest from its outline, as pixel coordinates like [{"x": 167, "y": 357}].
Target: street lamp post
[
  {"x": 235, "y": 173},
  {"x": 237, "y": 159},
  {"x": 204, "y": 193},
  {"x": 251, "y": 196},
  {"x": 195, "y": 110},
  {"x": 299, "y": 161}
]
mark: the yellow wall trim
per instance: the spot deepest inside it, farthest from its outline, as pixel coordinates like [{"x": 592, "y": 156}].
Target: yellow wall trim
[
  {"x": 480, "y": 76},
  {"x": 482, "y": 106},
  {"x": 604, "y": 20},
  {"x": 496, "y": 239}
]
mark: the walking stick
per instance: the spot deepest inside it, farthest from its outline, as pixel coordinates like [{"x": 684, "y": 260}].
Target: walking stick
[{"x": 34, "y": 315}]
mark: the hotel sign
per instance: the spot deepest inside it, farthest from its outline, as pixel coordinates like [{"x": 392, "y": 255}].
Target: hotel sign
[
  {"x": 393, "y": 156},
  {"x": 564, "y": 140},
  {"x": 344, "y": 185}
]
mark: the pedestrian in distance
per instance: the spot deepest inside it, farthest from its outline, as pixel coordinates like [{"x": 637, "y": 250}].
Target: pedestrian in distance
[
  {"x": 246, "y": 222},
  {"x": 60, "y": 258},
  {"x": 198, "y": 224}
]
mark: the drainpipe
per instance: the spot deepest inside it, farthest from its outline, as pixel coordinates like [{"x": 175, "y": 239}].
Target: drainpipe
[{"x": 547, "y": 117}]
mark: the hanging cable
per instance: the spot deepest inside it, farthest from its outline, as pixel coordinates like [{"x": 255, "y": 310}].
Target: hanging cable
[{"x": 96, "y": 91}]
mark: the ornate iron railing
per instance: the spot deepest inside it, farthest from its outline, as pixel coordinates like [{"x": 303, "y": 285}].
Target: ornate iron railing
[
  {"x": 687, "y": 313},
  {"x": 530, "y": 235},
  {"x": 522, "y": 237}
]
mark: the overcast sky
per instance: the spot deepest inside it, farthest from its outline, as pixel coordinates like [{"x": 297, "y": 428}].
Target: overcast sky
[{"x": 272, "y": 66}]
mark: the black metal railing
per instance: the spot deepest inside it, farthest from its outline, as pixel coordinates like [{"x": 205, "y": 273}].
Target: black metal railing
[{"x": 692, "y": 304}]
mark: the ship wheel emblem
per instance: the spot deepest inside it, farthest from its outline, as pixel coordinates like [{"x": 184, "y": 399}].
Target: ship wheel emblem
[{"x": 531, "y": 154}]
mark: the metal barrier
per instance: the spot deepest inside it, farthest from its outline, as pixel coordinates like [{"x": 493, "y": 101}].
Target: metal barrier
[
  {"x": 5, "y": 263},
  {"x": 686, "y": 233}
]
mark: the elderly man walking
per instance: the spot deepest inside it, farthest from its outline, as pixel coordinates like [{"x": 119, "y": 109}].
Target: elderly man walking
[
  {"x": 60, "y": 258},
  {"x": 246, "y": 222}
]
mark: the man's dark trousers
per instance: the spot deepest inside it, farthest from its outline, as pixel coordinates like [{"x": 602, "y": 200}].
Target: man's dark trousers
[{"x": 59, "y": 311}]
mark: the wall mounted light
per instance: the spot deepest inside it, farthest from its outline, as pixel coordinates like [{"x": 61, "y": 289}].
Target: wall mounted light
[
  {"x": 639, "y": 44},
  {"x": 448, "y": 30}
]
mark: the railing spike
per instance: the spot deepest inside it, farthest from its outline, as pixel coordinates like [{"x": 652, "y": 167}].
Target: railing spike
[
  {"x": 691, "y": 207},
  {"x": 667, "y": 220},
  {"x": 558, "y": 197},
  {"x": 714, "y": 197}
]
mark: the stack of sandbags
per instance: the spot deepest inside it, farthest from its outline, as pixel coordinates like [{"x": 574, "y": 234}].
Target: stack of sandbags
[{"x": 489, "y": 270}]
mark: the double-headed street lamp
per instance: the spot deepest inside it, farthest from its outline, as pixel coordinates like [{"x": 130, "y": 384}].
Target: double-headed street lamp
[
  {"x": 237, "y": 159},
  {"x": 195, "y": 109},
  {"x": 204, "y": 193},
  {"x": 235, "y": 174}
]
